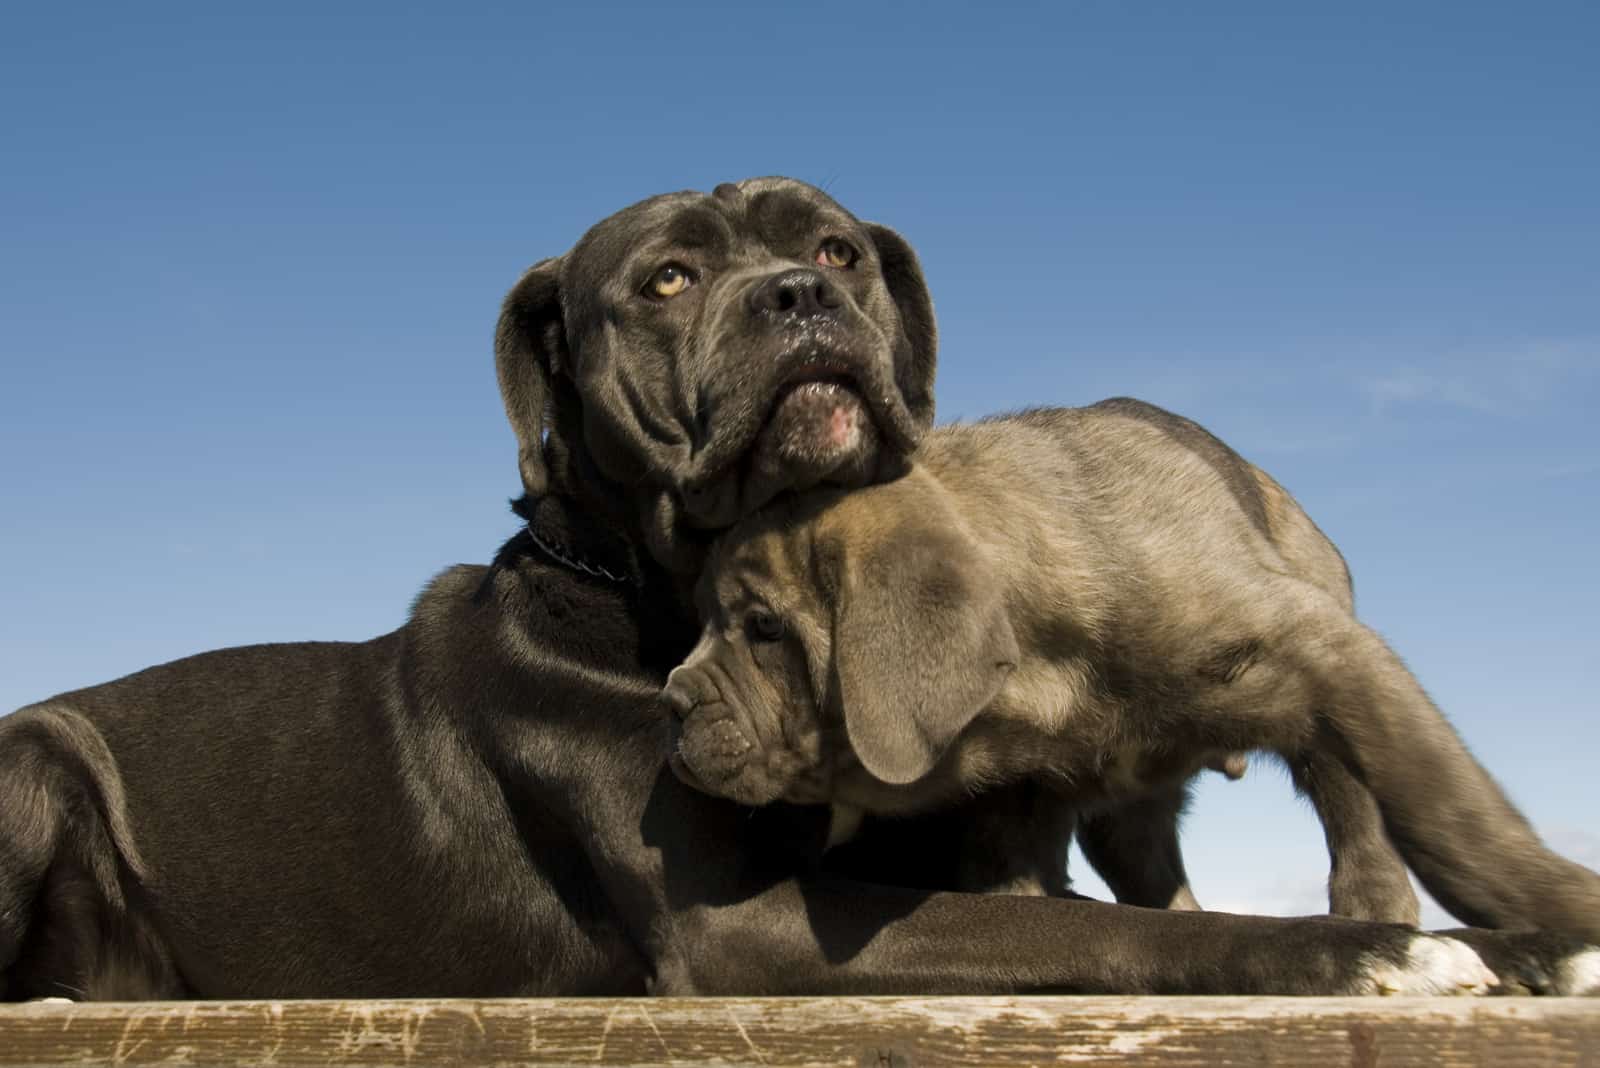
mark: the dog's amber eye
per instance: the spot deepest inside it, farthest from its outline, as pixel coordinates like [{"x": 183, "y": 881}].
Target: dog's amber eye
[
  {"x": 668, "y": 282},
  {"x": 763, "y": 626},
  {"x": 836, "y": 254}
]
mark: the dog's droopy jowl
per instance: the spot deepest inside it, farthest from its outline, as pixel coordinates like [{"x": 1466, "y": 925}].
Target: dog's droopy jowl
[{"x": 1103, "y": 599}]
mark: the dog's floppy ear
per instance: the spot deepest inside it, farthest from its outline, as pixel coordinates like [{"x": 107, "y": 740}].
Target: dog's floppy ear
[
  {"x": 921, "y": 644},
  {"x": 914, "y": 369},
  {"x": 530, "y": 343}
]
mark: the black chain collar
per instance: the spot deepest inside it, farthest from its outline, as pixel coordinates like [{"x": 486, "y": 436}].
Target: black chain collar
[{"x": 574, "y": 563}]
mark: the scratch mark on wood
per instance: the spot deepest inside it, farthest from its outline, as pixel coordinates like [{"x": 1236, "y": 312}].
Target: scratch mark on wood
[
  {"x": 1363, "y": 1045},
  {"x": 733, "y": 1017},
  {"x": 123, "y": 1050},
  {"x": 605, "y": 1032},
  {"x": 644, "y": 1008},
  {"x": 274, "y": 1028}
]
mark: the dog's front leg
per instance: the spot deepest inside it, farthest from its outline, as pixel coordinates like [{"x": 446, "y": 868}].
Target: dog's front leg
[
  {"x": 812, "y": 937},
  {"x": 719, "y": 902}
]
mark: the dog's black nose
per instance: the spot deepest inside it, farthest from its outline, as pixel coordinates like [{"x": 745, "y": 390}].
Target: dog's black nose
[{"x": 800, "y": 291}]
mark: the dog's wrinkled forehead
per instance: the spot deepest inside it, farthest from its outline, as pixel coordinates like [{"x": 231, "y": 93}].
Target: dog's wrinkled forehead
[{"x": 758, "y": 217}]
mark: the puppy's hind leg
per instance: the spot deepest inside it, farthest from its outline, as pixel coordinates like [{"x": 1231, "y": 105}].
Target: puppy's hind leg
[
  {"x": 1367, "y": 880},
  {"x": 67, "y": 864},
  {"x": 1337, "y": 682}
]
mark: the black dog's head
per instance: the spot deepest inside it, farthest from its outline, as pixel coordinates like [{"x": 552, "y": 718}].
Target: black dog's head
[{"x": 706, "y": 352}]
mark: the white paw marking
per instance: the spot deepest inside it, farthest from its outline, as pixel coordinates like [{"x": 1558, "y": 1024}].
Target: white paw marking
[
  {"x": 1579, "y": 974},
  {"x": 52, "y": 1001},
  {"x": 1433, "y": 965}
]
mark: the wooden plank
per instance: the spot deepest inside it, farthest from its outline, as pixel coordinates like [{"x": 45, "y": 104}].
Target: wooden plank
[{"x": 857, "y": 1032}]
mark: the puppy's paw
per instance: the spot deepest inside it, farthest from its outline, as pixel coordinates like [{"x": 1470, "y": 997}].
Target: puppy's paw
[
  {"x": 1536, "y": 962},
  {"x": 1429, "y": 965}
]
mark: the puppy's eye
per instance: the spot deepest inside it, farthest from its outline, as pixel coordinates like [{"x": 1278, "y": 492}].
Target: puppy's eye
[
  {"x": 763, "y": 626},
  {"x": 836, "y": 253},
  {"x": 668, "y": 282}
]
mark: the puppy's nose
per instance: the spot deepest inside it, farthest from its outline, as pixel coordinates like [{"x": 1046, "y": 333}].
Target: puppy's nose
[
  {"x": 677, "y": 696},
  {"x": 800, "y": 291}
]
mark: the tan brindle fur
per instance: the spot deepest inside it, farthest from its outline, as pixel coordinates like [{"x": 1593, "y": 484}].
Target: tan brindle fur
[{"x": 1105, "y": 599}]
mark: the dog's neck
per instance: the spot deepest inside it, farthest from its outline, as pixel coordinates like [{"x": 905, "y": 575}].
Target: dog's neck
[
  {"x": 574, "y": 476},
  {"x": 565, "y": 533}
]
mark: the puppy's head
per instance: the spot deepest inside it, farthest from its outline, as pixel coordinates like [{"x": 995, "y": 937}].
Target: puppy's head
[
  {"x": 710, "y": 351},
  {"x": 845, "y": 635}
]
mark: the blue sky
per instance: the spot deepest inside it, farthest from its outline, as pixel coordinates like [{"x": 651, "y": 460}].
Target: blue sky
[{"x": 250, "y": 266}]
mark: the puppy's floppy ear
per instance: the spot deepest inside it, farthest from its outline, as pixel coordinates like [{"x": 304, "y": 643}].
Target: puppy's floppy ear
[
  {"x": 915, "y": 367},
  {"x": 921, "y": 644},
  {"x": 530, "y": 343}
]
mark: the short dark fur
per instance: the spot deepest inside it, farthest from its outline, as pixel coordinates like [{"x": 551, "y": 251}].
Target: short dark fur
[
  {"x": 477, "y": 803},
  {"x": 1101, "y": 599},
  {"x": 680, "y": 434}
]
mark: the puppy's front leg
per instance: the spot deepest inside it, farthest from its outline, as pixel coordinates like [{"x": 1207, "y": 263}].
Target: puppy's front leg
[{"x": 1134, "y": 848}]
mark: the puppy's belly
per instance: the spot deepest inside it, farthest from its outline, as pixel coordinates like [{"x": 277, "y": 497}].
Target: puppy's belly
[
  {"x": 844, "y": 823},
  {"x": 1082, "y": 765}
]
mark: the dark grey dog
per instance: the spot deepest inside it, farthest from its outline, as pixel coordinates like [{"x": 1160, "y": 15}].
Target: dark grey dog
[
  {"x": 1102, "y": 598},
  {"x": 478, "y": 803}
]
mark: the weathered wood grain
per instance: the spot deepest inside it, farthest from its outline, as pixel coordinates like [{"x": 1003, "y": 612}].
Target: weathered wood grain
[{"x": 910, "y": 1032}]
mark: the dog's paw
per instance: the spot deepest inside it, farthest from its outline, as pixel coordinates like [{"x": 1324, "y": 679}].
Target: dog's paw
[
  {"x": 1579, "y": 975},
  {"x": 1536, "y": 962},
  {"x": 1429, "y": 965}
]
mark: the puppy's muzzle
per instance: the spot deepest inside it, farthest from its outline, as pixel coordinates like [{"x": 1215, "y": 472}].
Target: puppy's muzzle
[{"x": 711, "y": 750}]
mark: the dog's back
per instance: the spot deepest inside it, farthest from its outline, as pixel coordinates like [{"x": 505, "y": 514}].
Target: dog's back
[{"x": 307, "y": 819}]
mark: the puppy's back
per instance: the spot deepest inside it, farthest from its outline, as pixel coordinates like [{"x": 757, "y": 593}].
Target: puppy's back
[{"x": 1123, "y": 471}]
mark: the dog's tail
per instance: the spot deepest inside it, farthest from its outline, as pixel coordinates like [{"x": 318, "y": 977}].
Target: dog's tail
[{"x": 62, "y": 807}]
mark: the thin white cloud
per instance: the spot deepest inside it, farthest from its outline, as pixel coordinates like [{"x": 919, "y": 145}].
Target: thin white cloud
[
  {"x": 1286, "y": 897},
  {"x": 1577, "y": 844},
  {"x": 1504, "y": 381},
  {"x": 1407, "y": 385},
  {"x": 1310, "y": 898}
]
